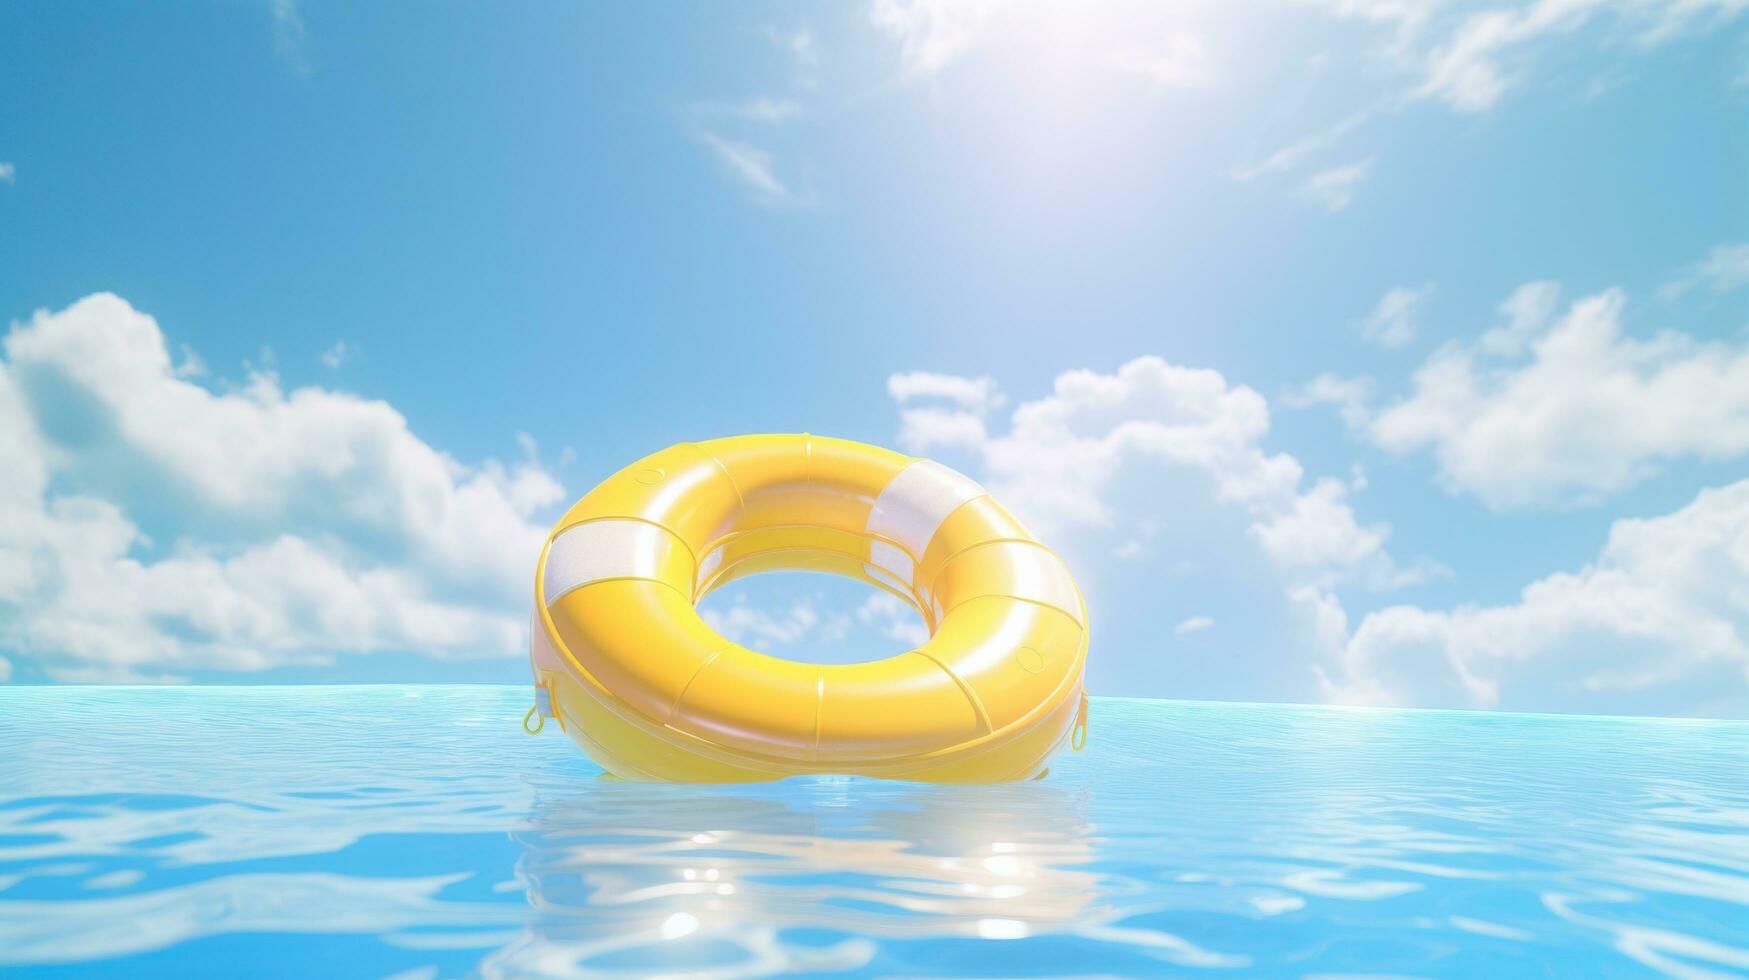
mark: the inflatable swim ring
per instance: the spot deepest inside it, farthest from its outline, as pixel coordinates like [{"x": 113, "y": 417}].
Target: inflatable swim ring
[{"x": 626, "y": 666}]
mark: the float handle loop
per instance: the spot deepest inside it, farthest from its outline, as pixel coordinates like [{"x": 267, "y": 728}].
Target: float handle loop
[
  {"x": 1078, "y": 738},
  {"x": 538, "y": 725}
]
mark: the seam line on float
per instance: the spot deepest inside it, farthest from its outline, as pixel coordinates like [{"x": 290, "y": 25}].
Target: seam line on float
[
  {"x": 740, "y": 498},
  {"x": 990, "y": 541},
  {"x": 674, "y": 709},
  {"x": 966, "y": 689},
  {"x": 1053, "y": 607}
]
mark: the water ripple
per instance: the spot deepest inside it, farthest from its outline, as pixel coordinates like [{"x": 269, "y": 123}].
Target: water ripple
[{"x": 415, "y": 832}]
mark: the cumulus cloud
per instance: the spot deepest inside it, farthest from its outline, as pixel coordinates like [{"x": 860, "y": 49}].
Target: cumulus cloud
[
  {"x": 8, "y": 172},
  {"x": 943, "y": 411},
  {"x": 1549, "y": 411},
  {"x": 972, "y": 394},
  {"x": 1351, "y": 397},
  {"x": 1058, "y": 462},
  {"x": 151, "y": 526},
  {"x": 1658, "y": 623},
  {"x": 1527, "y": 313},
  {"x": 1396, "y": 319}
]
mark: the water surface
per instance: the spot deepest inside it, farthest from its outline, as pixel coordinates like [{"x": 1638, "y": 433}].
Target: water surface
[{"x": 415, "y": 831}]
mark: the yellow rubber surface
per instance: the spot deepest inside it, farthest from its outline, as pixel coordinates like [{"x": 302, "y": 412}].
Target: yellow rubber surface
[{"x": 629, "y": 670}]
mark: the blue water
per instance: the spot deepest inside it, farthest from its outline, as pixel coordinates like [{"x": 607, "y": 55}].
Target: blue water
[{"x": 415, "y": 831}]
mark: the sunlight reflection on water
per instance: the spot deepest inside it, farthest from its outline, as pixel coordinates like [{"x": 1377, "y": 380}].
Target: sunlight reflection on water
[{"x": 372, "y": 831}]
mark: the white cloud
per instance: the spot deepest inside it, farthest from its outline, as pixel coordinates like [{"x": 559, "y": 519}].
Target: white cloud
[
  {"x": 1288, "y": 158},
  {"x": 1659, "y": 623},
  {"x": 1725, "y": 268},
  {"x": 1195, "y": 624},
  {"x": 753, "y": 627},
  {"x": 1324, "y": 621},
  {"x": 893, "y": 618},
  {"x": 753, "y": 166},
  {"x": 1490, "y": 51},
  {"x": 150, "y": 526},
  {"x": 931, "y": 33},
  {"x": 973, "y": 394},
  {"x": 955, "y": 420},
  {"x": 1057, "y": 464},
  {"x": 1396, "y": 319},
  {"x": 1469, "y": 57},
  {"x": 1334, "y": 189},
  {"x": 1527, "y": 312},
  {"x": 8, "y": 172},
  {"x": 925, "y": 430},
  {"x": 755, "y": 169},
  {"x": 335, "y": 356},
  {"x": 1352, "y": 397},
  {"x": 190, "y": 365},
  {"x": 1470, "y": 71},
  {"x": 1543, "y": 414},
  {"x": 1319, "y": 528}
]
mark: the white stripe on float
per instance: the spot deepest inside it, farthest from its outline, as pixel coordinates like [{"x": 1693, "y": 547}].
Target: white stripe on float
[
  {"x": 604, "y": 549},
  {"x": 893, "y": 561},
  {"x": 912, "y": 507}
]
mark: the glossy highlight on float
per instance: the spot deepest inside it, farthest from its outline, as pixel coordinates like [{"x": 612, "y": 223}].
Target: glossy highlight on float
[{"x": 626, "y": 666}]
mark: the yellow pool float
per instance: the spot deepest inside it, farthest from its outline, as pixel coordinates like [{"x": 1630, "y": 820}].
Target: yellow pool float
[{"x": 626, "y": 666}]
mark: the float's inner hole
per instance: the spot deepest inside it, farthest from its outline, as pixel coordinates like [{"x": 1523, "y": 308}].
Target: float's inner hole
[{"x": 813, "y": 617}]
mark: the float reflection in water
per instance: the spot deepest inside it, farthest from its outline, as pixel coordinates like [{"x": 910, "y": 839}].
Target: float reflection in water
[{"x": 641, "y": 876}]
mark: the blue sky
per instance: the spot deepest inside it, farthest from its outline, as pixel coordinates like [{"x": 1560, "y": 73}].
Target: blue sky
[{"x": 1360, "y": 352}]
